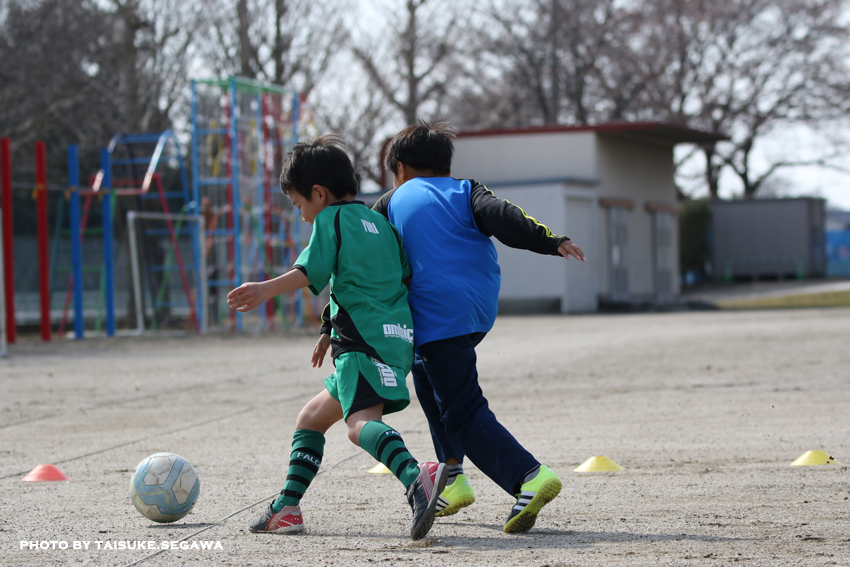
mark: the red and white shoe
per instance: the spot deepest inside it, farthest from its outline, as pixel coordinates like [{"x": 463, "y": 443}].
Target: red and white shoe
[
  {"x": 423, "y": 495},
  {"x": 287, "y": 521}
]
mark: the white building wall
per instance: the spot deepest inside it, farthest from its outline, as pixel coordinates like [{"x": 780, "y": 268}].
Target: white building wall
[
  {"x": 522, "y": 157},
  {"x": 533, "y": 281},
  {"x": 643, "y": 174},
  {"x": 582, "y": 284},
  {"x": 525, "y": 275},
  {"x": 554, "y": 177}
]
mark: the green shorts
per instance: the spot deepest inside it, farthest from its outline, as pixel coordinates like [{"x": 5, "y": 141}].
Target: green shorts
[{"x": 361, "y": 382}]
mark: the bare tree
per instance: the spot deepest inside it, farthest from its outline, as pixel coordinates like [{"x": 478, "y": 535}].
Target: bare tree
[
  {"x": 396, "y": 71},
  {"x": 56, "y": 80},
  {"x": 288, "y": 42},
  {"x": 748, "y": 68},
  {"x": 411, "y": 68},
  {"x": 745, "y": 68},
  {"x": 150, "y": 52},
  {"x": 363, "y": 118},
  {"x": 547, "y": 56}
]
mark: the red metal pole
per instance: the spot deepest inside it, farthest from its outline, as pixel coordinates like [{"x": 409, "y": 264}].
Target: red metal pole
[
  {"x": 43, "y": 257},
  {"x": 189, "y": 298},
  {"x": 8, "y": 248}
]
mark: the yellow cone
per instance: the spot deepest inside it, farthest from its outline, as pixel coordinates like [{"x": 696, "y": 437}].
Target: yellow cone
[
  {"x": 380, "y": 469},
  {"x": 812, "y": 458},
  {"x": 598, "y": 464}
]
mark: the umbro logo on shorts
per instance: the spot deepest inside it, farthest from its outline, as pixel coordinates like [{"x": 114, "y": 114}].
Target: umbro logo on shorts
[{"x": 388, "y": 377}]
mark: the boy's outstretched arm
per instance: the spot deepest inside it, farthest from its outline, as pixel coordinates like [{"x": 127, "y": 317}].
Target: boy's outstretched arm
[
  {"x": 513, "y": 227},
  {"x": 251, "y": 294}
]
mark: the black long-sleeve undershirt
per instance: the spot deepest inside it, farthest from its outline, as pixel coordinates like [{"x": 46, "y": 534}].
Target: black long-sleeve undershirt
[{"x": 508, "y": 223}]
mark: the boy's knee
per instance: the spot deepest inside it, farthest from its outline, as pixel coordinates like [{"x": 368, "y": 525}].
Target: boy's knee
[
  {"x": 308, "y": 418},
  {"x": 303, "y": 420},
  {"x": 354, "y": 432}
]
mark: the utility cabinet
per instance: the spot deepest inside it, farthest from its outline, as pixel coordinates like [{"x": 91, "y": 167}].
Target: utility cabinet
[{"x": 764, "y": 239}]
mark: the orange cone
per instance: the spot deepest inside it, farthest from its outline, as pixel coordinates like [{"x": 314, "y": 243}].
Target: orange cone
[{"x": 45, "y": 473}]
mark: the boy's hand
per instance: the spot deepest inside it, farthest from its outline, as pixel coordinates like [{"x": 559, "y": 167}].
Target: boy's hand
[
  {"x": 567, "y": 249},
  {"x": 246, "y": 296},
  {"x": 320, "y": 350}
]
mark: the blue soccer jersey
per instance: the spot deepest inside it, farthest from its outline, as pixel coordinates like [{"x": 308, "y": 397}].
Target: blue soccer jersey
[{"x": 455, "y": 285}]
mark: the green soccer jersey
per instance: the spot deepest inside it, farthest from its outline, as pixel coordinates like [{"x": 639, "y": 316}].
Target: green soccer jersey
[{"x": 360, "y": 254}]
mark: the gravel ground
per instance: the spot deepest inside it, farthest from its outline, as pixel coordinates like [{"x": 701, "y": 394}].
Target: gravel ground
[{"x": 704, "y": 410}]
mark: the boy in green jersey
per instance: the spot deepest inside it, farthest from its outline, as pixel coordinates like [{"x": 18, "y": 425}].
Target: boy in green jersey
[{"x": 359, "y": 253}]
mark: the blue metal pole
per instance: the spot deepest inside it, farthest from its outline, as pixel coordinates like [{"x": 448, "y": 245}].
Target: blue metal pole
[
  {"x": 237, "y": 211},
  {"x": 295, "y": 102},
  {"x": 196, "y": 174},
  {"x": 200, "y": 278},
  {"x": 108, "y": 265},
  {"x": 299, "y": 299},
  {"x": 76, "y": 240}
]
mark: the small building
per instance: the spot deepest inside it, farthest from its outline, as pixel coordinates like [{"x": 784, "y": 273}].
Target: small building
[
  {"x": 767, "y": 239},
  {"x": 609, "y": 187}
]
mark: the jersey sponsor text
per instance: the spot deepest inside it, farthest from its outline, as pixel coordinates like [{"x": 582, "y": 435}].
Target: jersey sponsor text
[{"x": 399, "y": 331}]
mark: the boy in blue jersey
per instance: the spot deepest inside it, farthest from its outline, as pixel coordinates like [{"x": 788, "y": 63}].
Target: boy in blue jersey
[
  {"x": 359, "y": 254},
  {"x": 446, "y": 225}
]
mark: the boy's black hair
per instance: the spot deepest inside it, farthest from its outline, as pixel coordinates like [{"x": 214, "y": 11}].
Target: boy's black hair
[
  {"x": 422, "y": 146},
  {"x": 322, "y": 162}
]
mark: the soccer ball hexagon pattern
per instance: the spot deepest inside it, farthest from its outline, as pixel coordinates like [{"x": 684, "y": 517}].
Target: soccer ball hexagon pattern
[{"x": 164, "y": 487}]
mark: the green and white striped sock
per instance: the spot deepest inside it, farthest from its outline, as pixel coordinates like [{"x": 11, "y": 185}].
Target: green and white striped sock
[
  {"x": 304, "y": 462},
  {"x": 386, "y": 445}
]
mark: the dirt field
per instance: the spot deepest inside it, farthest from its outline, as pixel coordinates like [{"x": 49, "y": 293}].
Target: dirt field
[{"x": 704, "y": 410}]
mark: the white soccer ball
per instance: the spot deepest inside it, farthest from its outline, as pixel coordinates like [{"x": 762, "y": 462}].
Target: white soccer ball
[{"x": 164, "y": 487}]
